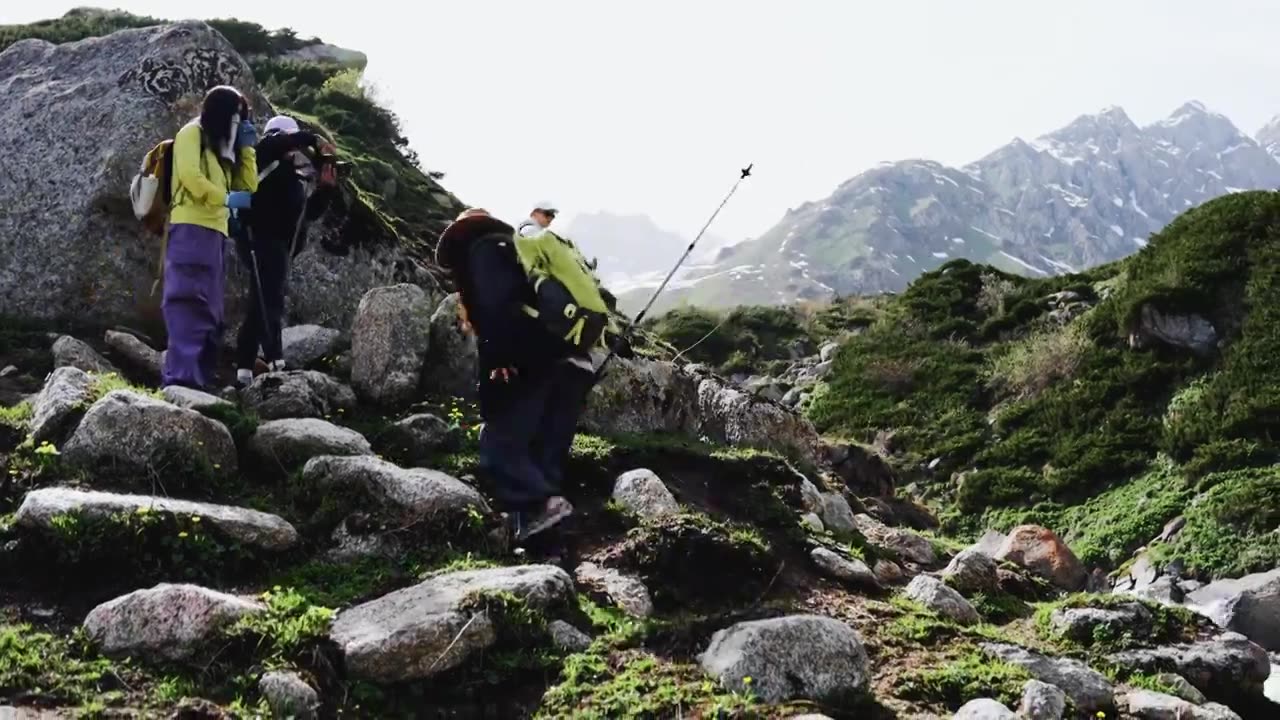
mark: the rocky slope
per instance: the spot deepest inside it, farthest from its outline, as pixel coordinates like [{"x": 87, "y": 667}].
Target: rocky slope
[
  {"x": 118, "y": 92},
  {"x": 321, "y": 545},
  {"x": 1089, "y": 193}
]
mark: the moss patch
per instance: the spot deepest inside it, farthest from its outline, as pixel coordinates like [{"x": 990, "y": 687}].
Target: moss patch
[{"x": 967, "y": 675}]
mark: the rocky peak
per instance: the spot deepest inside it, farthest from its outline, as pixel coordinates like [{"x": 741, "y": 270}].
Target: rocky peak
[{"x": 1269, "y": 137}]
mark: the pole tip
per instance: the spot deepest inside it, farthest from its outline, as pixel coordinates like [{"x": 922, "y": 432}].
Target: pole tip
[{"x": 746, "y": 171}]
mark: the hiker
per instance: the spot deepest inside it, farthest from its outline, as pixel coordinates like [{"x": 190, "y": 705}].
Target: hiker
[
  {"x": 533, "y": 384},
  {"x": 295, "y": 186},
  {"x": 215, "y": 171},
  {"x": 540, "y": 219}
]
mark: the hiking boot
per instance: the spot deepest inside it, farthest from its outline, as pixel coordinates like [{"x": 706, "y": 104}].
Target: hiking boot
[{"x": 524, "y": 525}]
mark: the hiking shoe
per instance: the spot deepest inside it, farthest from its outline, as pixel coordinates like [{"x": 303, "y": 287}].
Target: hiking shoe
[{"x": 557, "y": 509}]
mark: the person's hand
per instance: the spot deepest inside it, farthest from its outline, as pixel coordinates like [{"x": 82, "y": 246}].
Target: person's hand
[
  {"x": 247, "y": 135},
  {"x": 239, "y": 200},
  {"x": 502, "y": 374}
]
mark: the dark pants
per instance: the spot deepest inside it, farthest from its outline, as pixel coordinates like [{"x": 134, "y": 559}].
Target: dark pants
[
  {"x": 264, "y": 314},
  {"x": 528, "y": 432},
  {"x": 192, "y": 305}
]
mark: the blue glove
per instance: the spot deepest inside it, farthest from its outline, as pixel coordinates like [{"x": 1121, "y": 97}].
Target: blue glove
[
  {"x": 239, "y": 200},
  {"x": 247, "y": 136}
]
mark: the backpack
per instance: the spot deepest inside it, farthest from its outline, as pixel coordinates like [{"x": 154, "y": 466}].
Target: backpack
[
  {"x": 567, "y": 296},
  {"x": 151, "y": 189}
]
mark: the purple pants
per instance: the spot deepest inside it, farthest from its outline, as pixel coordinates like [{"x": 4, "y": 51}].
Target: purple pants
[{"x": 194, "y": 281}]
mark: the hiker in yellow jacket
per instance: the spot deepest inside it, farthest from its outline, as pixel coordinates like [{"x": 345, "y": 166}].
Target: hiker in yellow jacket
[{"x": 215, "y": 171}]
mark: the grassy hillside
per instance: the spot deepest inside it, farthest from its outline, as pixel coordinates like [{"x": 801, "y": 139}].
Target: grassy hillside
[
  {"x": 389, "y": 197},
  {"x": 1002, "y": 415}
]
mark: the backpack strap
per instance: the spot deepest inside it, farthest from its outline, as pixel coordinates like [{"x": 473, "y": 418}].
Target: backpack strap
[{"x": 264, "y": 172}]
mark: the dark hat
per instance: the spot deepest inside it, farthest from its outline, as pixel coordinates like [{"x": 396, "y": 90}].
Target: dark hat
[{"x": 470, "y": 225}]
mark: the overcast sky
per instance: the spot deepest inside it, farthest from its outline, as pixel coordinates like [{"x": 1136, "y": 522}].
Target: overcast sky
[{"x": 653, "y": 106}]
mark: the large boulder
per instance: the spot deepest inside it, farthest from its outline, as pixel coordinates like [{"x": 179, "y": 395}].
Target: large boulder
[
  {"x": 1042, "y": 701},
  {"x": 281, "y": 446},
  {"x": 1189, "y": 332},
  {"x": 406, "y": 496},
  {"x": 201, "y": 402},
  {"x": 1249, "y": 605},
  {"x": 849, "y": 570},
  {"x": 729, "y": 415},
  {"x": 452, "y": 358},
  {"x": 58, "y": 403},
  {"x": 836, "y": 514},
  {"x": 304, "y": 345},
  {"x": 288, "y": 695},
  {"x": 135, "y": 436},
  {"x": 437, "y": 625},
  {"x": 1088, "y": 689},
  {"x": 1225, "y": 668},
  {"x": 934, "y": 594},
  {"x": 1041, "y": 551},
  {"x": 70, "y": 352},
  {"x": 800, "y": 657},
  {"x": 297, "y": 394},
  {"x": 1083, "y": 624},
  {"x": 172, "y": 623},
  {"x": 41, "y": 509},
  {"x": 642, "y": 396},
  {"x": 80, "y": 117},
  {"x": 419, "y": 438},
  {"x": 389, "y": 342}
]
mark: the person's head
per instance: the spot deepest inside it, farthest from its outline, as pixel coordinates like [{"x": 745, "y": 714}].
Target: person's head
[
  {"x": 543, "y": 213},
  {"x": 223, "y": 105}
]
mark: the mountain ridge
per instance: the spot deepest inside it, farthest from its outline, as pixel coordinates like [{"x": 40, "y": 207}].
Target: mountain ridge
[{"x": 1084, "y": 194}]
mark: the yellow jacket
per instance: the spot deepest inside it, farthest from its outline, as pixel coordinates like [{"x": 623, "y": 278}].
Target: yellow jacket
[{"x": 200, "y": 185}]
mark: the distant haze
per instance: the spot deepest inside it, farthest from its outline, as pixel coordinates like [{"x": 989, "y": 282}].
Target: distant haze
[{"x": 652, "y": 107}]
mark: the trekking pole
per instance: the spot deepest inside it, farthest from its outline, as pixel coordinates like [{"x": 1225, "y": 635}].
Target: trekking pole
[
  {"x": 613, "y": 348},
  {"x": 257, "y": 278}
]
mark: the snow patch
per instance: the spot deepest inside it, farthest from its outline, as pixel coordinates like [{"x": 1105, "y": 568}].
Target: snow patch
[
  {"x": 1060, "y": 265},
  {"x": 1214, "y": 175},
  {"x": 977, "y": 191},
  {"x": 913, "y": 260},
  {"x": 943, "y": 179},
  {"x": 1118, "y": 202},
  {"x": 1010, "y": 213},
  {"x": 1234, "y": 148},
  {"x": 1139, "y": 242},
  {"x": 984, "y": 232},
  {"x": 1069, "y": 197},
  {"x": 1236, "y": 190},
  {"x": 1133, "y": 200},
  {"x": 1024, "y": 263},
  {"x": 941, "y": 255},
  {"x": 958, "y": 241},
  {"x": 1117, "y": 230}
]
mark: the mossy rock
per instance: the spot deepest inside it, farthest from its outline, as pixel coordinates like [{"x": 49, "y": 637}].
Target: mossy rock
[{"x": 689, "y": 560}]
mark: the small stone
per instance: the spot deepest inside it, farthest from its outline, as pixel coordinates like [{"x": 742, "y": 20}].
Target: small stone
[
  {"x": 305, "y": 345},
  {"x": 990, "y": 542},
  {"x": 837, "y": 515},
  {"x": 850, "y": 570},
  {"x": 289, "y": 696},
  {"x": 58, "y": 403},
  {"x": 567, "y": 637},
  {"x": 810, "y": 496},
  {"x": 812, "y": 522},
  {"x": 829, "y": 351},
  {"x": 1042, "y": 701},
  {"x": 70, "y": 352},
  {"x": 643, "y": 493},
  {"x": 907, "y": 545},
  {"x": 190, "y": 399},
  {"x": 984, "y": 709},
  {"x": 141, "y": 357},
  {"x": 625, "y": 591},
  {"x": 421, "y": 437},
  {"x": 936, "y": 596},
  {"x": 165, "y": 623},
  {"x": 889, "y": 572},
  {"x": 972, "y": 572},
  {"x": 298, "y": 394},
  {"x": 1182, "y": 688}
]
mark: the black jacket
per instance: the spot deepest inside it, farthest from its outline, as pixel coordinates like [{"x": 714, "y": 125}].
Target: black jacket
[
  {"x": 281, "y": 210},
  {"x": 494, "y": 288}
]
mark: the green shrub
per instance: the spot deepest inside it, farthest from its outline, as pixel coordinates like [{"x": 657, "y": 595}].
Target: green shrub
[
  {"x": 963, "y": 678},
  {"x": 1030, "y": 366},
  {"x": 1230, "y": 531}
]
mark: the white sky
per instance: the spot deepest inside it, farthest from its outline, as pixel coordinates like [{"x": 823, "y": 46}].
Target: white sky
[{"x": 653, "y": 106}]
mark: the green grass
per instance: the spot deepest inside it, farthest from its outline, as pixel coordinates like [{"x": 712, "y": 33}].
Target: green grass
[
  {"x": 62, "y": 669},
  {"x": 967, "y": 675},
  {"x": 17, "y": 417},
  {"x": 1170, "y": 624}
]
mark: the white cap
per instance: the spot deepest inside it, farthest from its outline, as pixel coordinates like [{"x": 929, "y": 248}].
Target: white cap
[
  {"x": 546, "y": 205},
  {"x": 282, "y": 123}
]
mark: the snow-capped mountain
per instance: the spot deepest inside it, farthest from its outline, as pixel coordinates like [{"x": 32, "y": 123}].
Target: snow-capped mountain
[
  {"x": 632, "y": 250},
  {"x": 1089, "y": 193}
]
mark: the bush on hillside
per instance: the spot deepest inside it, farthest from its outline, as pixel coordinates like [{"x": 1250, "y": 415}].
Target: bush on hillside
[
  {"x": 1231, "y": 530},
  {"x": 1030, "y": 366}
]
